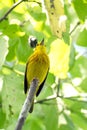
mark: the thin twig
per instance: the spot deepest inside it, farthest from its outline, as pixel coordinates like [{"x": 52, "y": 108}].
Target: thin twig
[
  {"x": 78, "y": 23},
  {"x": 73, "y": 98},
  {"x": 47, "y": 99},
  {"x": 39, "y": 3},
  {"x": 8, "y": 12},
  {"x": 58, "y": 87},
  {"x": 27, "y": 104},
  {"x": 77, "y": 99}
]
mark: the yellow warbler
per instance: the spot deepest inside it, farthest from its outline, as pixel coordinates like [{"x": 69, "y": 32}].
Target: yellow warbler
[{"x": 37, "y": 67}]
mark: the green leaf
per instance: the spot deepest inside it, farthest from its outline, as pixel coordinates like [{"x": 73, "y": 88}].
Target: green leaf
[
  {"x": 72, "y": 56},
  {"x": 81, "y": 8},
  {"x": 70, "y": 12},
  {"x": 12, "y": 48},
  {"x": 37, "y": 14},
  {"x": 11, "y": 30},
  {"x": 65, "y": 127},
  {"x": 50, "y": 79},
  {"x": 65, "y": 122},
  {"x": 2, "y": 118},
  {"x": 83, "y": 85},
  {"x": 55, "y": 12},
  {"x": 80, "y": 67},
  {"x": 79, "y": 120},
  {"x": 48, "y": 109},
  {"x": 35, "y": 11},
  {"x": 23, "y": 50},
  {"x": 3, "y": 49},
  {"x": 78, "y": 106},
  {"x": 82, "y": 38},
  {"x": 70, "y": 123},
  {"x": 16, "y": 16},
  {"x": 50, "y": 112},
  {"x": 34, "y": 123},
  {"x": 3, "y": 10},
  {"x": 12, "y": 93},
  {"x": 66, "y": 34},
  {"x": 2, "y": 114}
]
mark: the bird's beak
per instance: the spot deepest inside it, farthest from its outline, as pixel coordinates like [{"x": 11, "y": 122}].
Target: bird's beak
[{"x": 42, "y": 42}]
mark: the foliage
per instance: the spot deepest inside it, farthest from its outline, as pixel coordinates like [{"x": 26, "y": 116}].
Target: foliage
[{"x": 68, "y": 111}]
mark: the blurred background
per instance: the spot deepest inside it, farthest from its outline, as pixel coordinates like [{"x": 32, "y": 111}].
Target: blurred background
[{"x": 63, "y": 25}]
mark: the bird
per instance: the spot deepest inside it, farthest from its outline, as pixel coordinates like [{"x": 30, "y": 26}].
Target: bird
[{"x": 37, "y": 66}]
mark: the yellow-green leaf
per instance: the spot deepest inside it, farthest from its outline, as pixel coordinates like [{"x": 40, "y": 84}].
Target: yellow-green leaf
[
  {"x": 57, "y": 17},
  {"x": 59, "y": 58}
]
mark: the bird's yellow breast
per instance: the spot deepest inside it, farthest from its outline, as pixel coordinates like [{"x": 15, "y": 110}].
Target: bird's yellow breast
[{"x": 37, "y": 66}]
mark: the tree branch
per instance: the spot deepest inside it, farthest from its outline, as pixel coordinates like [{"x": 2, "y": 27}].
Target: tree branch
[
  {"x": 72, "y": 98},
  {"x": 8, "y": 12},
  {"x": 47, "y": 99},
  {"x": 27, "y": 104}
]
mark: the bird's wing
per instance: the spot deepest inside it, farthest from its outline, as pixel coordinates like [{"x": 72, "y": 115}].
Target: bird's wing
[
  {"x": 25, "y": 81},
  {"x": 41, "y": 86}
]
